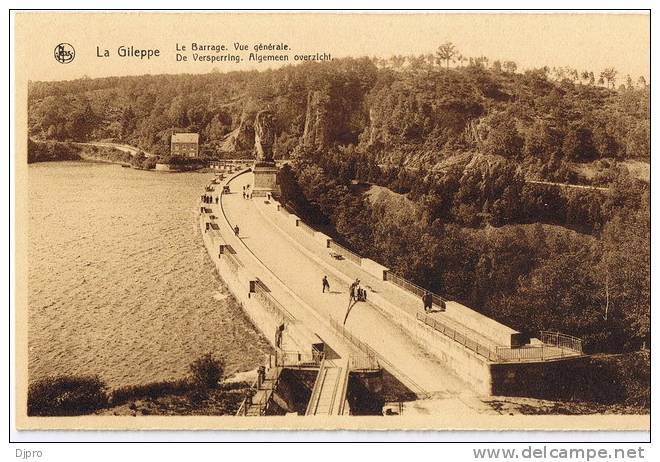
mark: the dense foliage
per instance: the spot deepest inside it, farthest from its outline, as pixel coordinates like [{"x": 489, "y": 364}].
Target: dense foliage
[
  {"x": 51, "y": 151},
  {"x": 66, "y": 395}
]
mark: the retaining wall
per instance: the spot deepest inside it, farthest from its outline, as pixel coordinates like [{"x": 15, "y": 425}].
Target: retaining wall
[{"x": 296, "y": 336}]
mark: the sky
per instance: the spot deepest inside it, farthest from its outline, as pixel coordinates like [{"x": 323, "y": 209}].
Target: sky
[{"x": 586, "y": 41}]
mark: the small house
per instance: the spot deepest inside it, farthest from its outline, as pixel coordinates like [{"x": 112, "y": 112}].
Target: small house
[{"x": 185, "y": 145}]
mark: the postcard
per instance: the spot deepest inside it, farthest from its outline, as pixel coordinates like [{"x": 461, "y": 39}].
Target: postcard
[{"x": 332, "y": 220}]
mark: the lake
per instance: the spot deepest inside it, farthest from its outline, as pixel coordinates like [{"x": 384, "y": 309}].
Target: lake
[{"x": 119, "y": 282}]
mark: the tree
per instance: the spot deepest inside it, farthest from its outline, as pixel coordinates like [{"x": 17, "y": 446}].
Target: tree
[
  {"x": 503, "y": 137},
  {"x": 446, "y": 52},
  {"x": 510, "y": 67},
  {"x": 609, "y": 75},
  {"x": 207, "y": 371}
]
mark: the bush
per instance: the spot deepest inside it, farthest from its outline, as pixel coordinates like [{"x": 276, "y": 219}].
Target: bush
[
  {"x": 43, "y": 151},
  {"x": 150, "y": 390},
  {"x": 66, "y": 395},
  {"x": 207, "y": 371}
]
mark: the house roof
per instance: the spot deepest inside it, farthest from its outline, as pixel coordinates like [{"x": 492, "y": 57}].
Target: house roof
[{"x": 185, "y": 138}]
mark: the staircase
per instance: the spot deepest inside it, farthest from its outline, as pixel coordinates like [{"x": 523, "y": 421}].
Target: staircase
[{"x": 329, "y": 393}]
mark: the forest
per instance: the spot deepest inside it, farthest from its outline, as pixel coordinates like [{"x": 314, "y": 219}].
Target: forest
[{"x": 524, "y": 194}]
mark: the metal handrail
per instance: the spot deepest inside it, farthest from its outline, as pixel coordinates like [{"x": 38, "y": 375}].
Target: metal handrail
[
  {"x": 559, "y": 340},
  {"x": 242, "y": 409},
  {"x": 233, "y": 262},
  {"x": 554, "y": 345},
  {"x": 285, "y": 358},
  {"x": 413, "y": 288},
  {"x": 370, "y": 351},
  {"x": 453, "y": 334},
  {"x": 262, "y": 293},
  {"x": 352, "y": 256},
  {"x": 344, "y": 390},
  {"x": 316, "y": 390}
]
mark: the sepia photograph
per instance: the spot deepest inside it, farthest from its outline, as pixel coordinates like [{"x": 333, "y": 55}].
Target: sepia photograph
[{"x": 333, "y": 220}]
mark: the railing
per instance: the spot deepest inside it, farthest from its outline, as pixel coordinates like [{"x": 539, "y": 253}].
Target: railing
[
  {"x": 562, "y": 341},
  {"x": 344, "y": 390},
  {"x": 262, "y": 293},
  {"x": 283, "y": 358},
  {"x": 414, "y": 387},
  {"x": 554, "y": 345},
  {"x": 363, "y": 362},
  {"x": 262, "y": 405},
  {"x": 242, "y": 409},
  {"x": 345, "y": 333},
  {"x": 347, "y": 254},
  {"x": 318, "y": 385},
  {"x": 233, "y": 262},
  {"x": 413, "y": 288},
  {"x": 458, "y": 337}
]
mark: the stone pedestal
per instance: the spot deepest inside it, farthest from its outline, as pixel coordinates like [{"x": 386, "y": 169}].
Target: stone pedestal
[{"x": 264, "y": 179}]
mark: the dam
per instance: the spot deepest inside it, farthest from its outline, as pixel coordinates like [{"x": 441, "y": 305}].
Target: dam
[{"x": 338, "y": 356}]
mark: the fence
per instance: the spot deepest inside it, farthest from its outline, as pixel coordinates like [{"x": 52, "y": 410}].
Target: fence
[
  {"x": 233, "y": 262},
  {"x": 413, "y": 288},
  {"x": 458, "y": 337},
  {"x": 561, "y": 341},
  {"x": 249, "y": 407},
  {"x": 554, "y": 345},
  {"x": 262, "y": 293},
  {"x": 283, "y": 358},
  {"x": 363, "y": 362},
  {"x": 375, "y": 357},
  {"x": 347, "y": 254}
]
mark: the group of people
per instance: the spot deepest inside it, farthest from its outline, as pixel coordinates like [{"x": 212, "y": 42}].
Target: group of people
[
  {"x": 208, "y": 199},
  {"x": 357, "y": 293},
  {"x": 247, "y": 194}
]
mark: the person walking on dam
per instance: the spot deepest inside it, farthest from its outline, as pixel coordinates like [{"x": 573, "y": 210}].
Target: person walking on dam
[
  {"x": 326, "y": 284},
  {"x": 427, "y": 298},
  {"x": 236, "y": 230}
]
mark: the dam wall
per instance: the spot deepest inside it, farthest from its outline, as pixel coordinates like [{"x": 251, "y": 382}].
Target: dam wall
[
  {"x": 252, "y": 293},
  {"x": 473, "y": 359}
]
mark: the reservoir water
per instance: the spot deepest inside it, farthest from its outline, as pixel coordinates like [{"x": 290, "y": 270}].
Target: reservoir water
[{"x": 119, "y": 282}]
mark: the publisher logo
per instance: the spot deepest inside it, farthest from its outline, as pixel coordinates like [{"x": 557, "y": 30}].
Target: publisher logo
[{"x": 64, "y": 53}]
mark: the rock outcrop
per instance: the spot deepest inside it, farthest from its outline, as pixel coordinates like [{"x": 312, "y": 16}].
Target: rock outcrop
[
  {"x": 317, "y": 120},
  {"x": 241, "y": 138}
]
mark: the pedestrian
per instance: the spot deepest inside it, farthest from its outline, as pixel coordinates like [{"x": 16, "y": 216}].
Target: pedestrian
[
  {"x": 216, "y": 200},
  {"x": 244, "y": 194},
  {"x": 326, "y": 284},
  {"x": 427, "y": 298},
  {"x": 351, "y": 291},
  {"x": 236, "y": 230}
]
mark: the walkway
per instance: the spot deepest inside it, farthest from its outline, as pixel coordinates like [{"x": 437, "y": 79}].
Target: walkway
[{"x": 302, "y": 274}]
